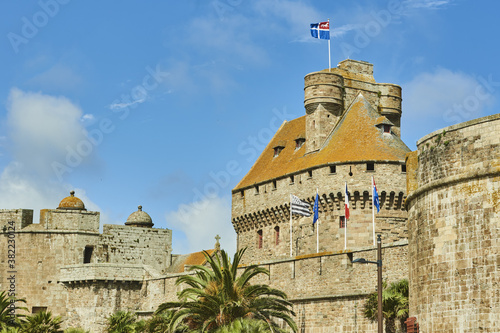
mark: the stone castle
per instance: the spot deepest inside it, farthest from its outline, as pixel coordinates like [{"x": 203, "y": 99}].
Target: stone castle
[{"x": 439, "y": 221}]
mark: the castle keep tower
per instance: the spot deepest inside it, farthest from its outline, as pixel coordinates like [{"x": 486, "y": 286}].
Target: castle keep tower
[{"x": 350, "y": 133}]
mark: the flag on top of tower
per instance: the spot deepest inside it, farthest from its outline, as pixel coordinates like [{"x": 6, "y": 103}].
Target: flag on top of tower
[
  {"x": 316, "y": 208},
  {"x": 299, "y": 207},
  {"x": 346, "y": 202},
  {"x": 320, "y": 30},
  {"x": 376, "y": 200}
]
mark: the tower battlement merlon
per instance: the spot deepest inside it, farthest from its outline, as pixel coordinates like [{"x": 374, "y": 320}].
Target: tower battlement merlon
[{"x": 21, "y": 218}]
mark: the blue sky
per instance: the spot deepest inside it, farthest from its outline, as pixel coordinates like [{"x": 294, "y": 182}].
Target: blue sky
[{"x": 167, "y": 104}]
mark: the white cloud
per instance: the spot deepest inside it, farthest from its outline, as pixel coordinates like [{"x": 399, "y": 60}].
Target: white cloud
[
  {"x": 119, "y": 106},
  {"x": 40, "y": 129},
  {"x": 433, "y": 100},
  {"x": 426, "y": 4},
  {"x": 201, "y": 221},
  {"x": 444, "y": 93}
]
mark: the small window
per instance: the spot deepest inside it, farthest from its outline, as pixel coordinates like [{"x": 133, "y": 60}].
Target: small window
[
  {"x": 256, "y": 189},
  {"x": 292, "y": 179},
  {"x": 259, "y": 239},
  {"x": 403, "y": 168},
  {"x": 38, "y": 309},
  {"x": 87, "y": 255},
  {"x": 314, "y": 123},
  {"x": 333, "y": 168},
  {"x": 370, "y": 166},
  {"x": 342, "y": 222},
  {"x": 299, "y": 143},
  {"x": 242, "y": 193},
  {"x": 387, "y": 128},
  {"x": 274, "y": 184},
  {"x": 277, "y": 150},
  {"x": 309, "y": 173},
  {"x": 277, "y": 235}
]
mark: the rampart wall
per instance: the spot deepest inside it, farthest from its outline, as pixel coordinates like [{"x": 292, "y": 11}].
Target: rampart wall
[
  {"x": 454, "y": 218},
  {"x": 328, "y": 291}
]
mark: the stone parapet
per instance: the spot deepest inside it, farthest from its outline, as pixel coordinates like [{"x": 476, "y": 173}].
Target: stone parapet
[{"x": 101, "y": 272}]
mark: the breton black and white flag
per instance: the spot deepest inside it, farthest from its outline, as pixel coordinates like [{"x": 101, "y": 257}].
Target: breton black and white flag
[{"x": 299, "y": 207}]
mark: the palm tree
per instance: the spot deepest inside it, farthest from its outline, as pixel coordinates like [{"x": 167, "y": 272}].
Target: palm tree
[
  {"x": 6, "y": 318},
  {"x": 245, "y": 325},
  {"x": 160, "y": 323},
  {"x": 217, "y": 296},
  {"x": 122, "y": 322},
  {"x": 42, "y": 322},
  {"x": 395, "y": 305}
]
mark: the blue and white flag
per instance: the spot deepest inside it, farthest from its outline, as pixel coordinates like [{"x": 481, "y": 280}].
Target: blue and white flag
[
  {"x": 376, "y": 201},
  {"x": 316, "y": 209},
  {"x": 320, "y": 30},
  {"x": 299, "y": 207}
]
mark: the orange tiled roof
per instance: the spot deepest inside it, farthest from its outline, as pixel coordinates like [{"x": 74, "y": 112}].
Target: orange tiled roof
[
  {"x": 355, "y": 138},
  {"x": 196, "y": 258}
]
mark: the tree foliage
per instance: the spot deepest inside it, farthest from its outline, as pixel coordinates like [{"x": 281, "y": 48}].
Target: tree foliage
[
  {"x": 395, "y": 305},
  {"x": 6, "y": 318},
  {"x": 42, "y": 322},
  {"x": 217, "y": 296}
]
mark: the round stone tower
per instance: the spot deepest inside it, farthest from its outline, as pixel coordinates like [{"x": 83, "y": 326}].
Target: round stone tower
[{"x": 453, "y": 181}]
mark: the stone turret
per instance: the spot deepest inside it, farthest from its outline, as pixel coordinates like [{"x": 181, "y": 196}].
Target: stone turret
[
  {"x": 139, "y": 219},
  {"x": 328, "y": 94}
]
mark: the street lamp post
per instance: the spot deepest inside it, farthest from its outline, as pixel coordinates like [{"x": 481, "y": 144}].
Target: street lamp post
[{"x": 379, "y": 280}]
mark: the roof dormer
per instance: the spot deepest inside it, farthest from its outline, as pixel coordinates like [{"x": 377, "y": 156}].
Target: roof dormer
[{"x": 384, "y": 124}]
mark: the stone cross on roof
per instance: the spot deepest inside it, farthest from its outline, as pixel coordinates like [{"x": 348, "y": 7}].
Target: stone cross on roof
[{"x": 217, "y": 244}]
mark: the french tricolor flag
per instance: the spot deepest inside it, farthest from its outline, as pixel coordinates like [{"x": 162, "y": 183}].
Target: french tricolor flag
[
  {"x": 346, "y": 202},
  {"x": 320, "y": 30}
]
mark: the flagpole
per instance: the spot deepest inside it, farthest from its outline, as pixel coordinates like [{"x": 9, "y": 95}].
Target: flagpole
[
  {"x": 290, "y": 224},
  {"x": 329, "y": 57},
  {"x": 373, "y": 209},
  {"x": 317, "y": 228}
]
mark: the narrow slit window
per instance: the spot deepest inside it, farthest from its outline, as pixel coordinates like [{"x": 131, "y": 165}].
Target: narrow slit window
[
  {"x": 292, "y": 179},
  {"x": 87, "y": 255},
  {"x": 275, "y": 185},
  {"x": 259, "y": 239},
  {"x": 403, "y": 168},
  {"x": 277, "y": 235},
  {"x": 256, "y": 189},
  {"x": 309, "y": 173},
  {"x": 342, "y": 222}
]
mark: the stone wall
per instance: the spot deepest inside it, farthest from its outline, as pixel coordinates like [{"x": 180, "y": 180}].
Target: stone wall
[
  {"x": 269, "y": 208},
  {"x": 327, "y": 290},
  {"x": 135, "y": 245},
  {"x": 64, "y": 265},
  {"x": 454, "y": 216}
]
